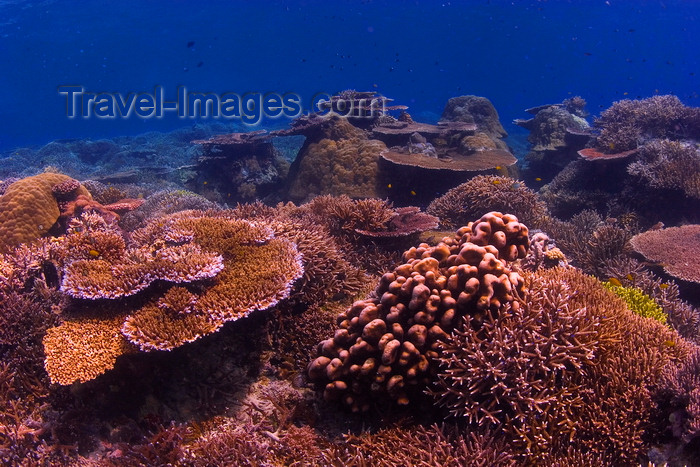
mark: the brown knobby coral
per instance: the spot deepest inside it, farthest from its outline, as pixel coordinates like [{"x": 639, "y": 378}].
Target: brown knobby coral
[{"x": 387, "y": 344}]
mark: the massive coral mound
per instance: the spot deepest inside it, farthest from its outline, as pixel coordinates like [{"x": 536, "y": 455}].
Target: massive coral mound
[
  {"x": 28, "y": 208},
  {"x": 488, "y": 193},
  {"x": 387, "y": 344},
  {"x": 344, "y": 165}
]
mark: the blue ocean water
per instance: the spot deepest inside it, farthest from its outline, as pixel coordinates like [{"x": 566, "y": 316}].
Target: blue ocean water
[{"x": 518, "y": 54}]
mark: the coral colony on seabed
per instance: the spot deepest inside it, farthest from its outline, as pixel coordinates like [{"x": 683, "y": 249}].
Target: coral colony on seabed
[{"x": 358, "y": 289}]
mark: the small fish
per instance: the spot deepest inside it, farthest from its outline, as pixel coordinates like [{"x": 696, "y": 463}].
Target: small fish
[
  {"x": 413, "y": 193},
  {"x": 625, "y": 93},
  {"x": 630, "y": 277},
  {"x": 190, "y": 44},
  {"x": 498, "y": 167},
  {"x": 663, "y": 286},
  {"x": 538, "y": 179},
  {"x": 587, "y": 54},
  {"x": 670, "y": 343},
  {"x": 496, "y": 182},
  {"x": 515, "y": 185},
  {"x": 389, "y": 185},
  {"x": 204, "y": 183},
  {"x": 94, "y": 253},
  {"x": 615, "y": 281},
  {"x": 611, "y": 146}
]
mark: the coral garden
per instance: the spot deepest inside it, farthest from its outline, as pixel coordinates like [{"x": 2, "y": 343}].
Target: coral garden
[{"x": 238, "y": 306}]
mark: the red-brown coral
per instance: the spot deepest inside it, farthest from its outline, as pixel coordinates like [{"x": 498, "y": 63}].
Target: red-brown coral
[
  {"x": 601, "y": 362},
  {"x": 387, "y": 344}
]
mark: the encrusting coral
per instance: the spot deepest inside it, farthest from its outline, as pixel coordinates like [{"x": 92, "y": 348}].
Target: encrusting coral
[{"x": 387, "y": 344}]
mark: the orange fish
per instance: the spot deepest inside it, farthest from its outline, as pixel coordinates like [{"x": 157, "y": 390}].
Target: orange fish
[{"x": 615, "y": 281}]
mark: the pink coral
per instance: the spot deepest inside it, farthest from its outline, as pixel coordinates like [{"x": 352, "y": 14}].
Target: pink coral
[{"x": 676, "y": 248}]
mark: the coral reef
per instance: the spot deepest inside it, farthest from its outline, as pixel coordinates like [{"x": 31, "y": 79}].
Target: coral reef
[{"x": 488, "y": 193}]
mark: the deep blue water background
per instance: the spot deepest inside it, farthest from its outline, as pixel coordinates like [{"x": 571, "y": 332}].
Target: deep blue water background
[{"x": 518, "y": 54}]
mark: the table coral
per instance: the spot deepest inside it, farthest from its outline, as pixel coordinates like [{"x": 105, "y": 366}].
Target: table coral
[
  {"x": 258, "y": 271},
  {"x": 387, "y": 344},
  {"x": 676, "y": 248},
  {"x": 246, "y": 268},
  {"x": 28, "y": 208}
]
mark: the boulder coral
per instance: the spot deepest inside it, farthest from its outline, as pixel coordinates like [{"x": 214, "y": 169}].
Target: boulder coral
[{"x": 28, "y": 208}]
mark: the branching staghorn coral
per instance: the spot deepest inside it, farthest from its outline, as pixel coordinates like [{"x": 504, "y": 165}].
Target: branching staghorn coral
[
  {"x": 485, "y": 193},
  {"x": 519, "y": 368},
  {"x": 670, "y": 165}
]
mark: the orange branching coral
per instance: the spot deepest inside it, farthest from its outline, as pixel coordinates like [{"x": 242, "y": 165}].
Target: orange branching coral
[
  {"x": 80, "y": 350},
  {"x": 488, "y": 193},
  {"x": 28, "y": 208},
  {"x": 387, "y": 344}
]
